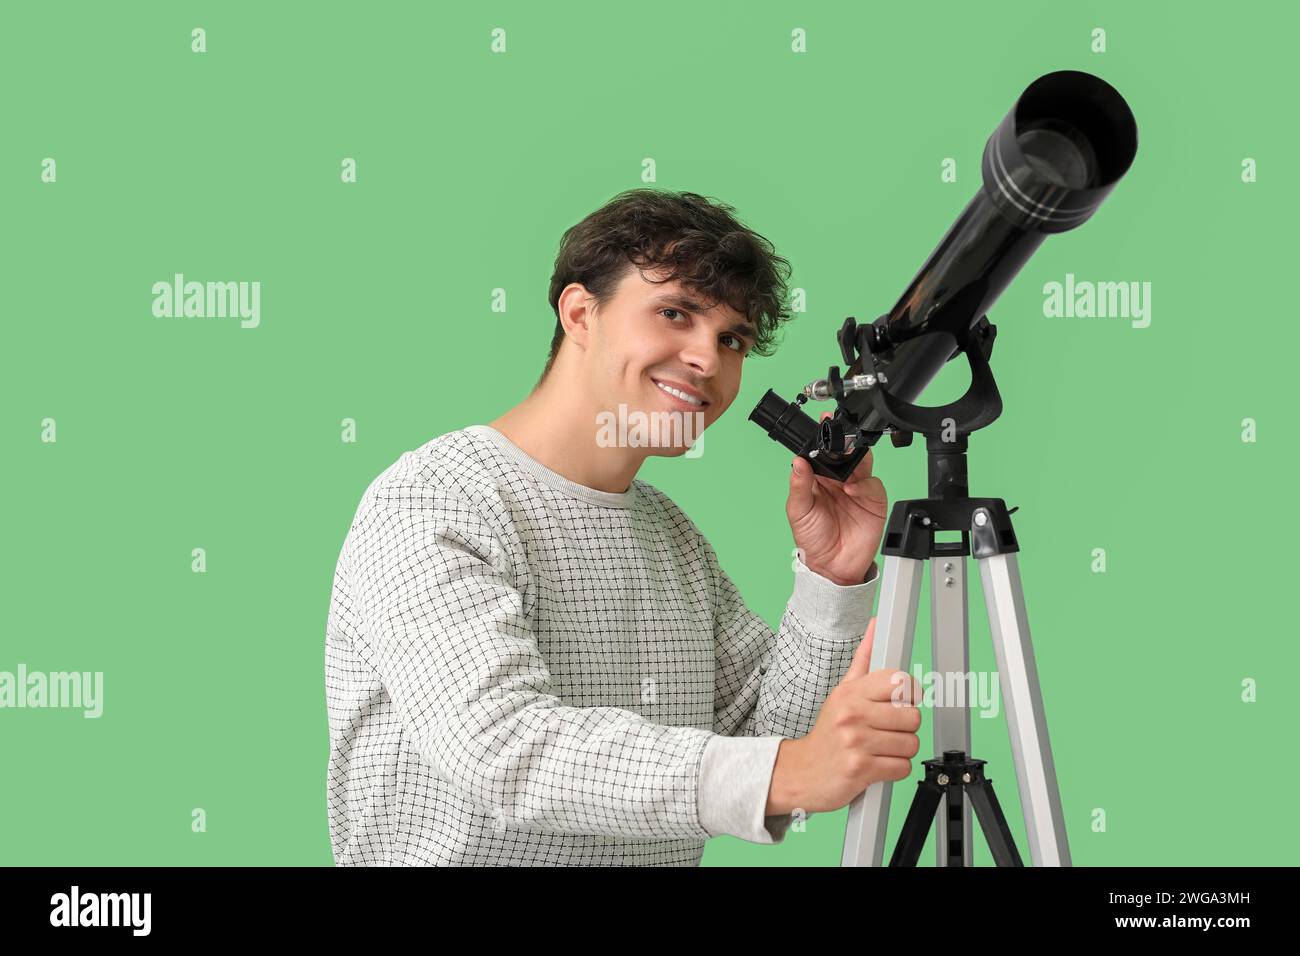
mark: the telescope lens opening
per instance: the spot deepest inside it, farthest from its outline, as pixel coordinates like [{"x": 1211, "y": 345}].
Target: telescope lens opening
[
  {"x": 1056, "y": 155},
  {"x": 1059, "y": 153},
  {"x": 1086, "y": 111}
]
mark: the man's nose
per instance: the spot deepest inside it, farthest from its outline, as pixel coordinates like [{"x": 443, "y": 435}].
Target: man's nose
[{"x": 701, "y": 354}]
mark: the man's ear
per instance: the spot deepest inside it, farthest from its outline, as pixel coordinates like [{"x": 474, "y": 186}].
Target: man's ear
[{"x": 576, "y": 313}]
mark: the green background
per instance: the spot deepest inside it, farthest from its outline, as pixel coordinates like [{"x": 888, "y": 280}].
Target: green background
[{"x": 376, "y": 305}]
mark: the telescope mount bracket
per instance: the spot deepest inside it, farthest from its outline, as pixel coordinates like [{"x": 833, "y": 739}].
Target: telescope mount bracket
[{"x": 979, "y": 406}]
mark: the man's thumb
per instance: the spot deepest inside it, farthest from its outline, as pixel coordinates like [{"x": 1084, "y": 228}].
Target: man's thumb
[
  {"x": 862, "y": 656},
  {"x": 801, "y": 484}
]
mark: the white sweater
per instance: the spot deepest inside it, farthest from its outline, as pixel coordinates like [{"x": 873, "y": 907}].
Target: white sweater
[{"x": 522, "y": 670}]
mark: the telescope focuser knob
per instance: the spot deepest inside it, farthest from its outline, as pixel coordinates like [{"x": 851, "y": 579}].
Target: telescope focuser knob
[
  {"x": 848, "y": 339},
  {"x": 832, "y": 436}
]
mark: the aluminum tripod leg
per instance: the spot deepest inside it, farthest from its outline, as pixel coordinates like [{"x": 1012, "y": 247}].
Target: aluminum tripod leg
[
  {"x": 1040, "y": 798},
  {"x": 900, "y": 594},
  {"x": 950, "y": 655}
]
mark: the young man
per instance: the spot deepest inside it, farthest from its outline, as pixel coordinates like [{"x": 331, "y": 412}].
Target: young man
[{"x": 533, "y": 657}]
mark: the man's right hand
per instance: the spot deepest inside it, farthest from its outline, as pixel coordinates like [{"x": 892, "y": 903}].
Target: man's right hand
[{"x": 865, "y": 733}]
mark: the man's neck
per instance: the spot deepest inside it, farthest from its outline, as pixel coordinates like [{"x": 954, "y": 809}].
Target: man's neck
[{"x": 560, "y": 432}]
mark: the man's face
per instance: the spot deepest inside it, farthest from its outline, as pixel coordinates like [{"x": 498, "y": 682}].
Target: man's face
[{"x": 650, "y": 337}]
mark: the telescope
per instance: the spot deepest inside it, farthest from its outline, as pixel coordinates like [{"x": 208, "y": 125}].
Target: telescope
[{"x": 1050, "y": 163}]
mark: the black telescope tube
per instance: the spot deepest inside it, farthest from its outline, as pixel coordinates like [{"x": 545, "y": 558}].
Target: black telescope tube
[
  {"x": 1047, "y": 167},
  {"x": 1050, "y": 163}
]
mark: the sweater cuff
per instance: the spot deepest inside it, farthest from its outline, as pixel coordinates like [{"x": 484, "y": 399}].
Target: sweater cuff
[
  {"x": 735, "y": 778},
  {"x": 837, "y": 612}
]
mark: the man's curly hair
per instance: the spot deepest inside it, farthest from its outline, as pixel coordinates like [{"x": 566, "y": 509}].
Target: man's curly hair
[{"x": 695, "y": 238}]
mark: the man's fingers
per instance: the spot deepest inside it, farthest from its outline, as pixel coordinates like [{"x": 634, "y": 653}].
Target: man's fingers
[
  {"x": 894, "y": 686},
  {"x": 885, "y": 743},
  {"x": 862, "y": 470},
  {"x": 802, "y": 489},
  {"x": 869, "y": 488},
  {"x": 884, "y": 715}
]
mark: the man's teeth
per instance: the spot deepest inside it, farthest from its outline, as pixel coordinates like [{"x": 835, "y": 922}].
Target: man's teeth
[{"x": 679, "y": 393}]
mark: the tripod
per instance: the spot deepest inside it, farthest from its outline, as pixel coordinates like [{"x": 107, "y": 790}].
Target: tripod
[{"x": 955, "y": 782}]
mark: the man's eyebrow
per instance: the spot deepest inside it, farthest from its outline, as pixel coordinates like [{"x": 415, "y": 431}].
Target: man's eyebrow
[{"x": 743, "y": 329}]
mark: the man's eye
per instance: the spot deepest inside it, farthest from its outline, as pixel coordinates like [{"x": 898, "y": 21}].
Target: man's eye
[{"x": 738, "y": 347}]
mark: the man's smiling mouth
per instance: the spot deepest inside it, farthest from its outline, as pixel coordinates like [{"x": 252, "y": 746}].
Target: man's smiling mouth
[{"x": 691, "y": 398}]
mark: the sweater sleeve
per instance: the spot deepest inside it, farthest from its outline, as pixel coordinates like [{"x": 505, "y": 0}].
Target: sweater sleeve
[
  {"x": 446, "y": 631},
  {"x": 770, "y": 686}
]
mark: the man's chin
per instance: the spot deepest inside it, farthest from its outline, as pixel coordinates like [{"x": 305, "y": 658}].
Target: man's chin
[
  {"x": 671, "y": 451},
  {"x": 664, "y": 432}
]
